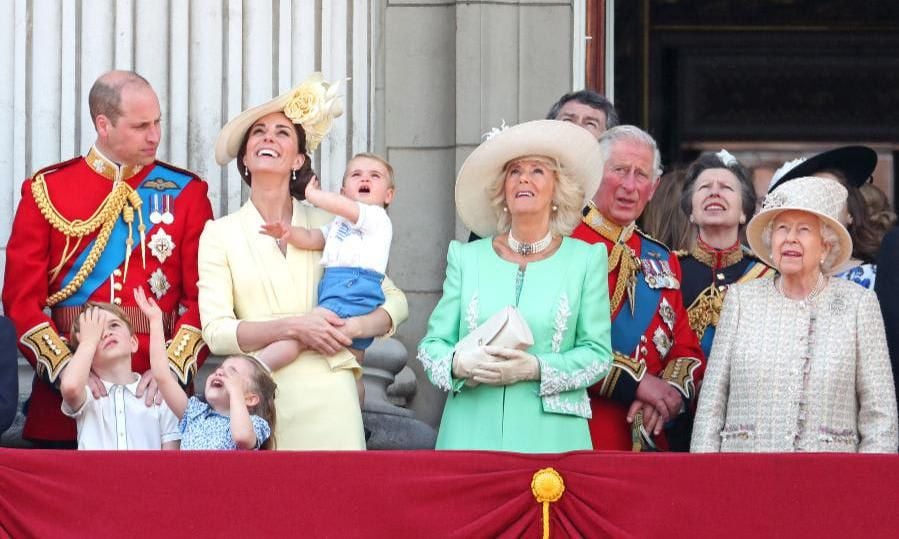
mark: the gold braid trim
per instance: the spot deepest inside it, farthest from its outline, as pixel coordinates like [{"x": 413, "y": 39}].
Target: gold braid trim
[
  {"x": 627, "y": 276},
  {"x": 108, "y": 211},
  {"x": 184, "y": 352},
  {"x": 679, "y": 373},
  {"x": 706, "y": 309},
  {"x": 105, "y": 217}
]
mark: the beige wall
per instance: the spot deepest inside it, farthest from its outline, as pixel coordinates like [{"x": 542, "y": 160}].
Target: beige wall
[
  {"x": 428, "y": 79},
  {"x": 447, "y": 73}
]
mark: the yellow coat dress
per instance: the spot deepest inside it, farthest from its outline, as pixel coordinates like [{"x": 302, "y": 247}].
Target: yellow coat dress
[{"x": 244, "y": 276}]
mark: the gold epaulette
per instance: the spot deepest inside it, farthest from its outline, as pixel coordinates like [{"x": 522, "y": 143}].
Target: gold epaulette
[
  {"x": 679, "y": 373},
  {"x": 50, "y": 352},
  {"x": 680, "y": 253},
  {"x": 184, "y": 351}
]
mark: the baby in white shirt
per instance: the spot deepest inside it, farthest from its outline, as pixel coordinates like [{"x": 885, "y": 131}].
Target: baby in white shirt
[{"x": 356, "y": 246}]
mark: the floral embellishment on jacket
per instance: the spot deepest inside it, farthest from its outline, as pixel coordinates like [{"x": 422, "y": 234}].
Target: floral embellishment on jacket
[
  {"x": 471, "y": 313},
  {"x": 437, "y": 369},
  {"x": 563, "y": 312}
]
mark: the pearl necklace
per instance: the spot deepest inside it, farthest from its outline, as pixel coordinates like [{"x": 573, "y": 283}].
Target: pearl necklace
[
  {"x": 819, "y": 286},
  {"x": 526, "y": 249}
]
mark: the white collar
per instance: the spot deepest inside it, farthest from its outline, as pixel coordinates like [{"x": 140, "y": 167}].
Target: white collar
[{"x": 131, "y": 386}]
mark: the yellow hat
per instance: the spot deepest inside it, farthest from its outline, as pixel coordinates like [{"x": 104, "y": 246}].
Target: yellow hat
[{"x": 313, "y": 104}]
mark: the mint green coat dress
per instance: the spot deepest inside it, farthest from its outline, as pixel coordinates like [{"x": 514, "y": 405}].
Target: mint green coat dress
[{"x": 565, "y": 301}]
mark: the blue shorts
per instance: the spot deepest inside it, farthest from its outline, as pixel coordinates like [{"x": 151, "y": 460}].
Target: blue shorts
[{"x": 351, "y": 292}]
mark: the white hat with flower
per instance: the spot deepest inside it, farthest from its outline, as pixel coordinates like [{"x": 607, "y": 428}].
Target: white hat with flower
[
  {"x": 572, "y": 146},
  {"x": 313, "y": 104},
  {"x": 822, "y": 198}
]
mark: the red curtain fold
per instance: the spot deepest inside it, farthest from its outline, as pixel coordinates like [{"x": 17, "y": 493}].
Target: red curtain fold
[{"x": 443, "y": 494}]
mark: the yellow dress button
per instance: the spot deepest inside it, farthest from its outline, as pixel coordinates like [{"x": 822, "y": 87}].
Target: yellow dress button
[
  {"x": 117, "y": 273},
  {"x": 117, "y": 286},
  {"x": 117, "y": 301}
]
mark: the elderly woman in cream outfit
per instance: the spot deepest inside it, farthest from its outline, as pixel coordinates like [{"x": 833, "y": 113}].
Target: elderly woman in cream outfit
[
  {"x": 255, "y": 290},
  {"x": 799, "y": 362}
]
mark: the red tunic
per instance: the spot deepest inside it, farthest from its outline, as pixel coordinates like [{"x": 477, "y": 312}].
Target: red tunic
[
  {"x": 667, "y": 347},
  {"x": 76, "y": 190}
]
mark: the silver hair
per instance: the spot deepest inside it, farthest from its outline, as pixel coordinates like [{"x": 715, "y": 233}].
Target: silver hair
[
  {"x": 635, "y": 134},
  {"x": 828, "y": 236}
]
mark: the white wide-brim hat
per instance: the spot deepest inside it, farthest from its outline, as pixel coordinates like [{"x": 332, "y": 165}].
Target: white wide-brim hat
[
  {"x": 314, "y": 104},
  {"x": 822, "y": 197},
  {"x": 573, "y": 146}
]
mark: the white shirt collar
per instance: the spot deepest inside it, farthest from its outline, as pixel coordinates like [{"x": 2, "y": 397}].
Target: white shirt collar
[{"x": 131, "y": 386}]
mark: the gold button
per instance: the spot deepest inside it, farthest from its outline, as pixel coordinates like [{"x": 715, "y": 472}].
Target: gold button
[
  {"x": 117, "y": 273},
  {"x": 117, "y": 301},
  {"x": 117, "y": 286}
]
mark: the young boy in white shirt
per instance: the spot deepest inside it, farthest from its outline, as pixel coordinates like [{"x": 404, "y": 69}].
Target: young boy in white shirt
[{"x": 104, "y": 341}]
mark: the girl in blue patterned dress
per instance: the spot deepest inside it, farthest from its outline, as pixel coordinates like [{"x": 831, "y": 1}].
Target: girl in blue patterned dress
[{"x": 239, "y": 407}]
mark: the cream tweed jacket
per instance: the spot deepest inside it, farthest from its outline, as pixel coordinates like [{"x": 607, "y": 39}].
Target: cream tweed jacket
[{"x": 788, "y": 375}]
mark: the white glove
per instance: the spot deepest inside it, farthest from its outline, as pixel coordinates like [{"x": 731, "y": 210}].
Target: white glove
[
  {"x": 514, "y": 366},
  {"x": 465, "y": 361}
]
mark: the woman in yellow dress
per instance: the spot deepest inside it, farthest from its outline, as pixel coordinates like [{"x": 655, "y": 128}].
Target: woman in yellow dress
[{"x": 255, "y": 290}]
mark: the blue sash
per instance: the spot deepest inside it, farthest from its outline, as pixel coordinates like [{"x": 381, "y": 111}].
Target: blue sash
[
  {"x": 627, "y": 328},
  {"x": 706, "y": 341},
  {"x": 113, "y": 255}
]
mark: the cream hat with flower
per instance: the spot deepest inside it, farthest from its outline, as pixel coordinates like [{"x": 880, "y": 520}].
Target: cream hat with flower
[
  {"x": 313, "y": 104},
  {"x": 573, "y": 146},
  {"x": 825, "y": 199}
]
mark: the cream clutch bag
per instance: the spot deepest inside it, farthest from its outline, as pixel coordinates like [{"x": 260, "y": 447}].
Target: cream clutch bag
[{"x": 506, "y": 328}]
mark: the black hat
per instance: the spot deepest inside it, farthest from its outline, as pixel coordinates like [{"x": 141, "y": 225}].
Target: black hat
[{"x": 855, "y": 162}]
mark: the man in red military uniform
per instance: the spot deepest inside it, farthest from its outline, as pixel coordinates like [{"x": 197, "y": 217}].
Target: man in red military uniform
[
  {"x": 657, "y": 361},
  {"x": 95, "y": 228}
]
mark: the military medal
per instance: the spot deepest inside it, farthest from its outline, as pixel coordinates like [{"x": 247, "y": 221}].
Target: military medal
[
  {"x": 159, "y": 283},
  {"x": 167, "y": 216},
  {"x": 161, "y": 245},
  {"x": 667, "y": 313},
  {"x": 155, "y": 215},
  {"x": 670, "y": 280},
  {"x": 662, "y": 341},
  {"x": 651, "y": 273}
]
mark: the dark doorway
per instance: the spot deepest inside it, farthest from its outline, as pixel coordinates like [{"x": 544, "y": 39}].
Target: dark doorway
[{"x": 787, "y": 76}]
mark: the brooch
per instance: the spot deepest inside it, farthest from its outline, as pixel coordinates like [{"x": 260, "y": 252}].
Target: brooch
[
  {"x": 161, "y": 245},
  {"x": 773, "y": 200}
]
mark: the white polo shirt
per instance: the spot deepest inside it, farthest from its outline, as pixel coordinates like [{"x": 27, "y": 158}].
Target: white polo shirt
[
  {"x": 121, "y": 420},
  {"x": 364, "y": 244}
]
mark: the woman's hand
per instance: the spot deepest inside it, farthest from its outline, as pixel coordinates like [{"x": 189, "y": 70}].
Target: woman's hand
[
  {"x": 319, "y": 331},
  {"x": 466, "y": 361},
  {"x": 513, "y": 366}
]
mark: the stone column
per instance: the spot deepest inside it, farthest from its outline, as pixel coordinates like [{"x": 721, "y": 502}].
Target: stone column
[{"x": 447, "y": 72}]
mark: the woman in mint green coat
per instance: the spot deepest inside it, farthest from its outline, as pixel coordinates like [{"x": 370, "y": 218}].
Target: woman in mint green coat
[{"x": 522, "y": 191}]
